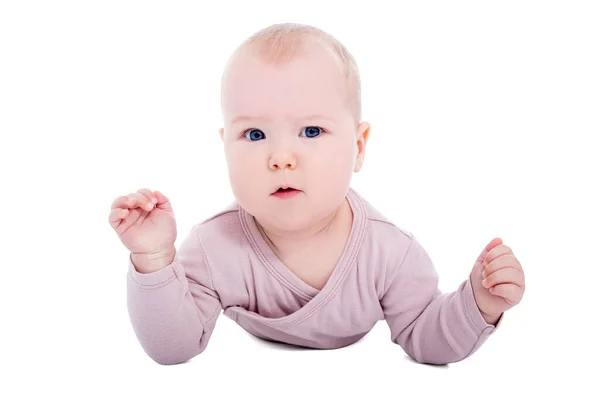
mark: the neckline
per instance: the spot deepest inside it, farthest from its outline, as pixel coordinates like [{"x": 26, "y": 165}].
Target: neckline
[{"x": 280, "y": 271}]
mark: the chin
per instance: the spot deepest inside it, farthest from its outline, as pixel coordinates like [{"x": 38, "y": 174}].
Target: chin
[
  {"x": 283, "y": 217},
  {"x": 292, "y": 224},
  {"x": 284, "y": 221}
]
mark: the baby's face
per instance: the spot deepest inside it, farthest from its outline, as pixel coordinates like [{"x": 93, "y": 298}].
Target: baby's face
[{"x": 289, "y": 125}]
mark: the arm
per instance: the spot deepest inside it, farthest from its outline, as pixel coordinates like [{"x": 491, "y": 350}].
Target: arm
[
  {"x": 431, "y": 327},
  {"x": 173, "y": 311}
]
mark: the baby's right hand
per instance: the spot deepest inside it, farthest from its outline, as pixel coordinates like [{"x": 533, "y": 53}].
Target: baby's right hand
[{"x": 145, "y": 223}]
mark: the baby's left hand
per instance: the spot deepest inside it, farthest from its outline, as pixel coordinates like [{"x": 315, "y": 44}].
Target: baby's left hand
[{"x": 498, "y": 280}]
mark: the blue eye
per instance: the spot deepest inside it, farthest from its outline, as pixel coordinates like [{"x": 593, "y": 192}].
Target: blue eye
[
  {"x": 254, "y": 134},
  {"x": 312, "y": 131}
]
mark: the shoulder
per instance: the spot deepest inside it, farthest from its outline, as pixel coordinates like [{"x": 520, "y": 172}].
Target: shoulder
[
  {"x": 380, "y": 226},
  {"x": 386, "y": 242},
  {"x": 227, "y": 213},
  {"x": 221, "y": 227}
]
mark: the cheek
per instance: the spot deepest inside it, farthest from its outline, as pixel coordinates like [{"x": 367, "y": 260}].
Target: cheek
[
  {"x": 336, "y": 159},
  {"x": 244, "y": 169},
  {"x": 239, "y": 158}
]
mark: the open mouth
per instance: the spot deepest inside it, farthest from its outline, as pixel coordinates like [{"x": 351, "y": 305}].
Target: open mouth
[{"x": 285, "y": 192}]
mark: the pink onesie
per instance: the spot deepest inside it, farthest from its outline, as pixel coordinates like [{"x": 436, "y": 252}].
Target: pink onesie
[{"x": 224, "y": 264}]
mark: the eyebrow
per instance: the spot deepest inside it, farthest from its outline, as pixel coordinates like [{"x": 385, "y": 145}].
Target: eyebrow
[{"x": 242, "y": 118}]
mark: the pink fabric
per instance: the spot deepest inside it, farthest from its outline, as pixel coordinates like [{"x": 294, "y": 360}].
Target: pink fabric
[{"x": 224, "y": 264}]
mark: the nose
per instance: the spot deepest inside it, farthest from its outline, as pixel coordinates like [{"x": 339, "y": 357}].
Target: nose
[{"x": 282, "y": 159}]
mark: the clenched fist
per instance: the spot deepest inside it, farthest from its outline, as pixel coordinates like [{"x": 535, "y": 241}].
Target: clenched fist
[
  {"x": 498, "y": 280},
  {"x": 145, "y": 223}
]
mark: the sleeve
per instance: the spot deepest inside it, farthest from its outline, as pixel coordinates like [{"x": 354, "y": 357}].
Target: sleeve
[
  {"x": 173, "y": 311},
  {"x": 431, "y": 327}
]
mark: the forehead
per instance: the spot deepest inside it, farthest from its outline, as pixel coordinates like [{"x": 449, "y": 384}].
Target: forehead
[{"x": 311, "y": 83}]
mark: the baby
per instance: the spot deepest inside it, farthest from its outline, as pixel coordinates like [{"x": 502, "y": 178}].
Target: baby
[{"x": 300, "y": 257}]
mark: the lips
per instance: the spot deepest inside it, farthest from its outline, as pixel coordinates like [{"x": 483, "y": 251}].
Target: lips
[
  {"x": 285, "y": 189},
  {"x": 286, "y": 192}
]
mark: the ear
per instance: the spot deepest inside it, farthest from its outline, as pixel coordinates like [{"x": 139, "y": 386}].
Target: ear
[
  {"x": 362, "y": 135},
  {"x": 221, "y": 131}
]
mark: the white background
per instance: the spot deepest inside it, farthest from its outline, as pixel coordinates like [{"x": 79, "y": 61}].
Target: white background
[{"x": 485, "y": 122}]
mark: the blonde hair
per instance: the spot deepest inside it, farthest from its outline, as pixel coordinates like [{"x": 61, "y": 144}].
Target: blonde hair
[{"x": 281, "y": 43}]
